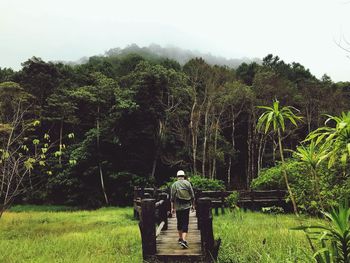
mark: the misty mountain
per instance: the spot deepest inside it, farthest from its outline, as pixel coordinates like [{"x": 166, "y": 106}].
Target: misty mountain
[{"x": 155, "y": 51}]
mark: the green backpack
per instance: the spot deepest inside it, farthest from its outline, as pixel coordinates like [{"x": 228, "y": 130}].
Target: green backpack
[{"x": 183, "y": 194}]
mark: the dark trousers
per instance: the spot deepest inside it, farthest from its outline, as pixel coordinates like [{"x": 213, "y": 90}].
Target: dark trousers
[{"x": 183, "y": 217}]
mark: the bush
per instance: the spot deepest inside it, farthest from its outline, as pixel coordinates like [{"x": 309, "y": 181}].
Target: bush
[
  {"x": 272, "y": 178},
  {"x": 200, "y": 183},
  {"x": 333, "y": 184},
  {"x": 232, "y": 199}
]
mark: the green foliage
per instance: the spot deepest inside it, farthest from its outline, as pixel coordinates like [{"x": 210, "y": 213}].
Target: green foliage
[
  {"x": 206, "y": 184},
  {"x": 336, "y": 139},
  {"x": 200, "y": 183},
  {"x": 232, "y": 199},
  {"x": 135, "y": 112},
  {"x": 271, "y": 178},
  {"x": 275, "y": 116},
  {"x": 334, "y": 237},
  {"x": 332, "y": 183}
]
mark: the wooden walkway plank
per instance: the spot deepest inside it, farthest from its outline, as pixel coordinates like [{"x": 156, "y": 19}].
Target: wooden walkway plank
[{"x": 169, "y": 248}]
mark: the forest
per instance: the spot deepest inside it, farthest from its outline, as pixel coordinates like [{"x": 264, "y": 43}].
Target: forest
[{"x": 85, "y": 134}]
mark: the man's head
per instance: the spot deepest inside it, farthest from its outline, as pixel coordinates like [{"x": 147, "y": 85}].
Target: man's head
[{"x": 180, "y": 174}]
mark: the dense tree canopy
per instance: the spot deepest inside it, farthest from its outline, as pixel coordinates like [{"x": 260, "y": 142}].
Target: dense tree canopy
[{"x": 136, "y": 120}]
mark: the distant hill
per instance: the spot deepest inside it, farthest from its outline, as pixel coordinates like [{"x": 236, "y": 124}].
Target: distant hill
[{"x": 175, "y": 53}]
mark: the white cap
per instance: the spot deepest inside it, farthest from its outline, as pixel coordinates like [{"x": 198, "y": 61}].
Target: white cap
[{"x": 180, "y": 173}]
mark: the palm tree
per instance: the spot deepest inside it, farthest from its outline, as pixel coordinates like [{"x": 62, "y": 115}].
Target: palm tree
[
  {"x": 312, "y": 156},
  {"x": 276, "y": 117},
  {"x": 336, "y": 139}
]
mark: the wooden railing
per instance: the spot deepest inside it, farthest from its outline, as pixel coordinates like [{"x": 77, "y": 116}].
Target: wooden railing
[
  {"x": 217, "y": 199},
  {"x": 152, "y": 213},
  {"x": 148, "y": 193},
  {"x": 247, "y": 198},
  {"x": 210, "y": 247}
]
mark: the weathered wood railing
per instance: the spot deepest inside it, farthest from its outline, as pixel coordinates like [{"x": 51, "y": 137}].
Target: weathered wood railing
[
  {"x": 217, "y": 199},
  {"x": 152, "y": 213},
  {"x": 147, "y": 193},
  {"x": 210, "y": 247},
  {"x": 257, "y": 199},
  {"x": 250, "y": 199}
]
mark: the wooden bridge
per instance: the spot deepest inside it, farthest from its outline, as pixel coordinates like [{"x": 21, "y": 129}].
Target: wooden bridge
[
  {"x": 158, "y": 227},
  {"x": 160, "y": 237}
]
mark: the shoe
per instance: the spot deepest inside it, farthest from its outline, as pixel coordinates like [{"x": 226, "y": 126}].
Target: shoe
[
  {"x": 184, "y": 244},
  {"x": 180, "y": 241}
]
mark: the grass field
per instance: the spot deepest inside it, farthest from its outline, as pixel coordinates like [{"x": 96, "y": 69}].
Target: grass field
[{"x": 60, "y": 234}]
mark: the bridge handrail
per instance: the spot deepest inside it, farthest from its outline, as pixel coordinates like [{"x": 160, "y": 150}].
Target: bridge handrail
[
  {"x": 210, "y": 247},
  {"x": 152, "y": 213}
]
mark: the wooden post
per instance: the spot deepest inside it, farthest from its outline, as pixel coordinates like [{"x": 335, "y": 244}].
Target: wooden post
[
  {"x": 148, "y": 228},
  {"x": 168, "y": 204},
  {"x": 197, "y": 196},
  {"x": 136, "y": 213},
  {"x": 252, "y": 200},
  {"x": 206, "y": 227},
  {"x": 155, "y": 193},
  {"x": 163, "y": 210},
  {"x": 142, "y": 192},
  {"x": 216, "y": 210},
  {"x": 222, "y": 202}
]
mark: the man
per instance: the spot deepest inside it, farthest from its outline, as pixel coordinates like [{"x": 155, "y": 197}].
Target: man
[{"x": 182, "y": 199}]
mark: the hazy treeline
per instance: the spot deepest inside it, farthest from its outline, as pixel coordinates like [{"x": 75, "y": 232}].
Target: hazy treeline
[{"x": 137, "y": 119}]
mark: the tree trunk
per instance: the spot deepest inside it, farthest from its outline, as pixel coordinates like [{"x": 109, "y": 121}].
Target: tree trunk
[
  {"x": 205, "y": 138},
  {"x": 254, "y": 148},
  {"x": 217, "y": 125},
  {"x": 274, "y": 148},
  {"x": 154, "y": 166},
  {"x": 60, "y": 146},
  {"x": 194, "y": 129},
  {"x": 99, "y": 156},
  {"x": 295, "y": 208},
  {"x": 215, "y": 148},
  {"x": 249, "y": 146},
  {"x": 229, "y": 171},
  {"x": 261, "y": 151},
  {"x": 233, "y": 146}
]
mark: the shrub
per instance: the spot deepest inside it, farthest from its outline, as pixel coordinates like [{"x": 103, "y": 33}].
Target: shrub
[
  {"x": 272, "y": 179},
  {"x": 200, "y": 183},
  {"x": 232, "y": 199},
  {"x": 333, "y": 184},
  {"x": 333, "y": 237}
]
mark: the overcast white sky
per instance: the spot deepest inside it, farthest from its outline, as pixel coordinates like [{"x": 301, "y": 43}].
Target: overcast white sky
[{"x": 304, "y": 31}]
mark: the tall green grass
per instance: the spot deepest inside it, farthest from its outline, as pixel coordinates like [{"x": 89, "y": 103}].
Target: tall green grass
[
  {"x": 104, "y": 235},
  {"x": 62, "y": 234},
  {"x": 256, "y": 237}
]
